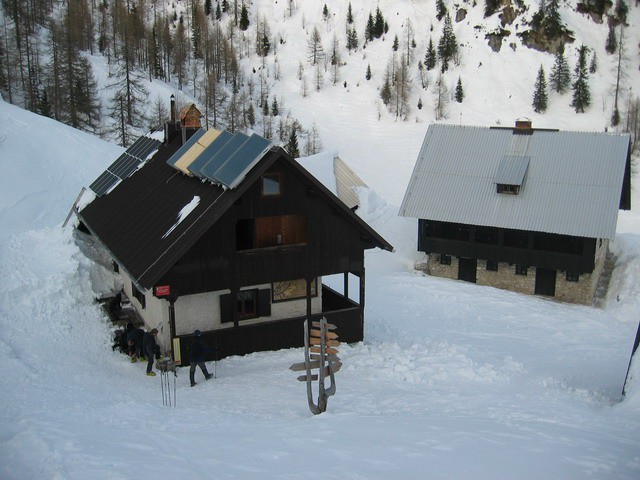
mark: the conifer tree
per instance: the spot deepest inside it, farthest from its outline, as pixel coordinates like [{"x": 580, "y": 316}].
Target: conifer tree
[
  {"x": 560, "y": 77},
  {"x": 349, "y": 15},
  {"x": 244, "y": 18},
  {"x": 441, "y": 9},
  {"x": 292, "y": 144},
  {"x": 352, "y": 39},
  {"x": 275, "y": 109},
  {"x": 540, "y": 92},
  {"x": 459, "y": 93},
  {"x": 207, "y": 7},
  {"x": 431, "y": 57},
  {"x": 448, "y": 44},
  {"x": 379, "y": 25},
  {"x": 251, "y": 115},
  {"x": 325, "y": 12},
  {"x": 368, "y": 74},
  {"x": 369, "y": 29},
  {"x": 553, "y": 26},
  {"x": 218, "y": 12},
  {"x": 581, "y": 94},
  {"x": 396, "y": 44},
  {"x": 44, "y": 105},
  {"x": 612, "y": 42},
  {"x": 385, "y": 91},
  {"x": 593, "y": 66}
]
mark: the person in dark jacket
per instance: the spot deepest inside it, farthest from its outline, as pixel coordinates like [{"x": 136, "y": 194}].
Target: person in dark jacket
[
  {"x": 135, "y": 337},
  {"x": 149, "y": 347},
  {"x": 197, "y": 350}
]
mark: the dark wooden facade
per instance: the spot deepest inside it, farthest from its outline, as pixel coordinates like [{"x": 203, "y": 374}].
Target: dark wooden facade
[
  {"x": 224, "y": 258},
  {"x": 544, "y": 250}
]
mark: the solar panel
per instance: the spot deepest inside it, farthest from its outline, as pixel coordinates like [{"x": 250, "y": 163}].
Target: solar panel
[
  {"x": 125, "y": 164},
  {"x": 103, "y": 183},
  {"x": 196, "y": 150},
  {"x": 229, "y": 148},
  {"x": 187, "y": 145},
  {"x": 209, "y": 153},
  {"x": 238, "y": 165}
]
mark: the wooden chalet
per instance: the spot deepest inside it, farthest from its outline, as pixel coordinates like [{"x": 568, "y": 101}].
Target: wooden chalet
[
  {"x": 530, "y": 210},
  {"x": 228, "y": 234}
]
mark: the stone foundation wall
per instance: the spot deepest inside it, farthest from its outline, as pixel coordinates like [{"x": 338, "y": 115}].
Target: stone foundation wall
[
  {"x": 435, "y": 268},
  {"x": 505, "y": 278}
]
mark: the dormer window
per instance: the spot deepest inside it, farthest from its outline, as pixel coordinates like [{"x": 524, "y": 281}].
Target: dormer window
[
  {"x": 508, "y": 189},
  {"x": 511, "y": 173}
]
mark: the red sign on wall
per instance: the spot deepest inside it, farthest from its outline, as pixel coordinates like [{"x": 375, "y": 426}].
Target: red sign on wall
[{"x": 163, "y": 291}]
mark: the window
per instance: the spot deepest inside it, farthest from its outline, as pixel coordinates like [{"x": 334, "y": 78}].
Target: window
[
  {"x": 572, "y": 276},
  {"x": 492, "y": 265},
  {"x": 138, "y": 295},
  {"x": 292, "y": 289},
  {"x": 271, "y": 185},
  {"x": 247, "y": 304},
  {"x": 264, "y": 232},
  {"x": 508, "y": 189},
  {"x": 250, "y": 303},
  {"x": 116, "y": 267},
  {"x": 445, "y": 259},
  {"x": 521, "y": 270}
]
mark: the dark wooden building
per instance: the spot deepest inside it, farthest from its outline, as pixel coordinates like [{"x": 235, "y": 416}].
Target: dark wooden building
[
  {"x": 228, "y": 234},
  {"x": 524, "y": 209}
]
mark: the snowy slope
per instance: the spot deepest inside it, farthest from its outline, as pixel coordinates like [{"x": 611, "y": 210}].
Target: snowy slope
[{"x": 453, "y": 380}]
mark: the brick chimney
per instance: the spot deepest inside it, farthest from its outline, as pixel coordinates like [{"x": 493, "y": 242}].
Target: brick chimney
[{"x": 523, "y": 126}]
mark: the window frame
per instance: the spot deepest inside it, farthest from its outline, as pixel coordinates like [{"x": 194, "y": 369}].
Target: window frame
[
  {"x": 572, "y": 276},
  {"x": 445, "y": 259},
  {"x": 522, "y": 270},
  {"x": 253, "y": 294},
  {"x": 276, "y": 177},
  {"x": 492, "y": 265},
  {"x": 277, "y": 298},
  {"x": 138, "y": 295}
]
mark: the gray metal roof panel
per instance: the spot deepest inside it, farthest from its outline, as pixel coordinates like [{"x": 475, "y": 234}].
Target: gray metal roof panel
[
  {"x": 573, "y": 183},
  {"x": 512, "y": 170}
]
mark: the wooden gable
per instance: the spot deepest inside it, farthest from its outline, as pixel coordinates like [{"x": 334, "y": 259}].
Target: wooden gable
[{"x": 190, "y": 116}]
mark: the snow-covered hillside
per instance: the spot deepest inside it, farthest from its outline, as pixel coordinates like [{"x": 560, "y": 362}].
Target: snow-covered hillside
[{"x": 453, "y": 380}]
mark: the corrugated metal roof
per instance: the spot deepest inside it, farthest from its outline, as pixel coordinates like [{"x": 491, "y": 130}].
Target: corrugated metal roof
[{"x": 572, "y": 187}]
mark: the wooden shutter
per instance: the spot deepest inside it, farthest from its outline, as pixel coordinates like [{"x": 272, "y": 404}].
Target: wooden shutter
[
  {"x": 226, "y": 308},
  {"x": 264, "y": 303}
]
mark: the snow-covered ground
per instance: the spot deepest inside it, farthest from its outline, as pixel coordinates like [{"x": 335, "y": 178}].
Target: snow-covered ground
[{"x": 453, "y": 380}]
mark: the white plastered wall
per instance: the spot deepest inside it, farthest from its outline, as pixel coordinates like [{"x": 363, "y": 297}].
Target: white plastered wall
[{"x": 202, "y": 311}]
